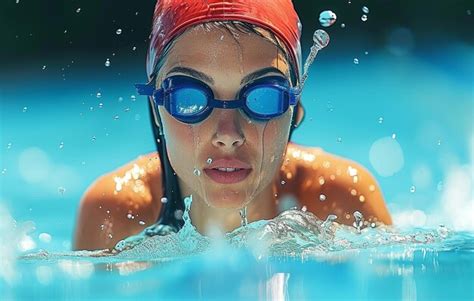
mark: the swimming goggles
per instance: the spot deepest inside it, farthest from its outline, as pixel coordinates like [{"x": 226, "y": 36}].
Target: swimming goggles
[{"x": 191, "y": 101}]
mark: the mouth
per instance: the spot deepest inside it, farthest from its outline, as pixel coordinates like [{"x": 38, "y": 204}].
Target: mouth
[{"x": 226, "y": 175}]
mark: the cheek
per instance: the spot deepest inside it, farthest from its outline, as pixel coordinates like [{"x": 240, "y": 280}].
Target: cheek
[
  {"x": 179, "y": 142},
  {"x": 275, "y": 141}
]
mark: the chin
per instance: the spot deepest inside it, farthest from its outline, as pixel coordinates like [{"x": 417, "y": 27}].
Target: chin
[{"x": 226, "y": 199}]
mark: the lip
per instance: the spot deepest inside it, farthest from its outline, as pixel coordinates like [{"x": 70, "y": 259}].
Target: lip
[{"x": 223, "y": 177}]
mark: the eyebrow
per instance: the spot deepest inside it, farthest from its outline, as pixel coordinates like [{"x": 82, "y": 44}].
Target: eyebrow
[{"x": 206, "y": 78}]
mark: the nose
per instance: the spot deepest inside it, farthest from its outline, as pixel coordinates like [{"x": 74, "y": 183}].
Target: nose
[{"x": 228, "y": 133}]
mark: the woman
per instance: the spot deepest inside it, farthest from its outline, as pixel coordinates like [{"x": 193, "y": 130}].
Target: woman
[{"x": 224, "y": 100}]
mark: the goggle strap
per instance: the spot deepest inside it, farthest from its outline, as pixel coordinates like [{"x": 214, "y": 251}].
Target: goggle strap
[{"x": 145, "y": 89}]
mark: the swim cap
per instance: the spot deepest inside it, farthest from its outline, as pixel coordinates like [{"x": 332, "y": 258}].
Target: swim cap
[{"x": 173, "y": 17}]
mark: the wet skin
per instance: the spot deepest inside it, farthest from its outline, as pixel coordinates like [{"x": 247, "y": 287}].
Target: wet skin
[{"x": 127, "y": 200}]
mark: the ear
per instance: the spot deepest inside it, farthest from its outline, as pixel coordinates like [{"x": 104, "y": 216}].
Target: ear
[{"x": 299, "y": 114}]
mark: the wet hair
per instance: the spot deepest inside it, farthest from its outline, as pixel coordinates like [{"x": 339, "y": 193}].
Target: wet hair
[{"x": 170, "y": 182}]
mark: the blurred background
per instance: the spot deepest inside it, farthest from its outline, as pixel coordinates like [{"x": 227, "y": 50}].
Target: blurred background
[{"x": 392, "y": 91}]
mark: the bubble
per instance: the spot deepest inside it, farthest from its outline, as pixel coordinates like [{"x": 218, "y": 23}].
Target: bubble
[
  {"x": 98, "y": 95},
  {"x": 78, "y": 10},
  {"x": 322, "y": 197},
  {"x": 118, "y": 31},
  {"x": 25, "y": 109},
  {"x": 107, "y": 63},
  {"x": 164, "y": 200},
  {"x": 343, "y": 25},
  {"x": 327, "y": 18},
  {"x": 365, "y": 9},
  {"x": 412, "y": 188},
  {"x": 381, "y": 150},
  {"x": 366, "y": 53},
  {"x": 197, "y": 172},
  {"x": 364, "y": 18},
  {"x": 356, "y": 61}
]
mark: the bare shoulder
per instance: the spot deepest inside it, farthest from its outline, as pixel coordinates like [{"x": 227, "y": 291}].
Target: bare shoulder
[
  {"x": 119, "y": 204},
  {"x": 330, "y": 184}
]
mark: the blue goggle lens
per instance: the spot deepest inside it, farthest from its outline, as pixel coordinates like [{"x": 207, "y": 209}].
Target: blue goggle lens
[
  {"x": 265, "y": 101},
  {"x": 187, "y": 101}
]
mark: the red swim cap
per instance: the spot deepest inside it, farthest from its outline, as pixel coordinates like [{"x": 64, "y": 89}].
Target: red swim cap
[{"x": 173, "y": 17}]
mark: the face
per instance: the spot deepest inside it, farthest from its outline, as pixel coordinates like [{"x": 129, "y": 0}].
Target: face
[{"x": 225, "y": 63}]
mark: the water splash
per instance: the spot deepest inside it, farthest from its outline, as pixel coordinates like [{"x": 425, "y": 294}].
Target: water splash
[
  {"x": 327, "y": 18},
  {"x": 243, "y": 216},
  {"x": 320, "y": 40}
]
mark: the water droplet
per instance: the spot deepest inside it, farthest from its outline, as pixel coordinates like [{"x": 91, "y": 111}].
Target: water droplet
[
  {"x": 366, "y": 53},
  {"x": 380, "y": 120},
  {"x": 412, "y": 189},
  {"x": 130, "y": 216},
  {"x": 178, "y": 214},
  {"x": 197, "y": 172},
  {"x": 164, "y": 200},
  {"x": 17, "y": 1},
  {"x": 283, "y": 182},
  {"x": 361, "y": 198},
  {"x": 304, "y": 209},
  {"x": 101, "y": 105},
  {"x": 93, "y": 138},
  {"x": 126, "y": 110},
  {"x": 134, "y": 48},
  {"x": 61, "y": 145},
  {"x": 343, "y": 25},
  {"x": 353, "y": 192},
  {"x": 469, "y": 12},
  {"x": 61, "y": 190},
  {"x": 372, "y": 188},
  {"x": 320, "y": 39},
  {"x": 365, "y": 9},
  {"x": 118, "y": 31},
  {"x": 394, "y": 136},
  {"x": 321, "y": 180},
  {"x": 364, "y": 18},
  {"x": 98, "y": 95},
  {"x": 116, "y": 117},
  {"x": 359, "y": 220},
  {"x": 9, "y": 145},
  {"x": 322, "y": 197},
  {"x": 439, "y": 142},
  {"x": 110, "y": 235},
  {"x": 243, "y": 217},
  {"x": 339, "y": 139},
  {"x": 44, "y": 67},
  {"x": 107, "y": 63},
  {"x": 25, "y": 109},
  {"x": 327, "y": 18},
  {"x": 331, "y": 218},
  {"x": 373, "y": 225},
  {"x": 356, "y": 61},
  {"x": 4, "y": 171},
  {"x": 133, "y": 97},
  {"x": 120, "y": 99},
  {"x": 78, "y": 10},
  {"x": 141, "y": 223},
  {"x": 209, "y": 161}
]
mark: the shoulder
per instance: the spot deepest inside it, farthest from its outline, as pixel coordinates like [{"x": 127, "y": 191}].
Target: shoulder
[
  {"x": 330, "y": 184},
  {"x": 119, "y": 204}
]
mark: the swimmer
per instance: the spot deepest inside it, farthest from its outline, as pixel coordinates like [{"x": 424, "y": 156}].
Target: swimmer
[{"x": 224, "y": 100}]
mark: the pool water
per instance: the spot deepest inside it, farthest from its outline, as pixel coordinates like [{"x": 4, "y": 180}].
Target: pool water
[{"x": 292, "y": 257}]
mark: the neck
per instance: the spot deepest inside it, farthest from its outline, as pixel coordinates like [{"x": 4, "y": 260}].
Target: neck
[{"x": 211, "y": 221}]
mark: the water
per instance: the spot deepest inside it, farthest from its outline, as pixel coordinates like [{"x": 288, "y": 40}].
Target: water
[{"x": 292, "y": 257}]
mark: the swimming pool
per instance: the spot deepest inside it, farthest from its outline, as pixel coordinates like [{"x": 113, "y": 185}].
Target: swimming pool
[{"x": 416, "y": 107}]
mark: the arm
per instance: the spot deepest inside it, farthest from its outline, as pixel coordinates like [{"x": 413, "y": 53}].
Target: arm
[
  {"x": 335, "y": 185},
  {"x": 108, "y": 213}
]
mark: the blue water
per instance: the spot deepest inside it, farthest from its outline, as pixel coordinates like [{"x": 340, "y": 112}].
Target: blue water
[{"x": 52, "y": 150}]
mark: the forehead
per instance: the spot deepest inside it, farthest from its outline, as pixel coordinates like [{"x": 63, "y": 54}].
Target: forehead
[{"x": 216, "y": 51}]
